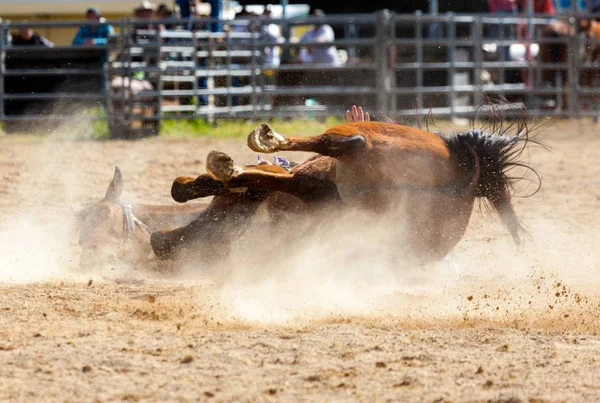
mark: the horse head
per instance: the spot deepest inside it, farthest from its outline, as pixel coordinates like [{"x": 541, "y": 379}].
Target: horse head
[{"x": 109, "y": 231}]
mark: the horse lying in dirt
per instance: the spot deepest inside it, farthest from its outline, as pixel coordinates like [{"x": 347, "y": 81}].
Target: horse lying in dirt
[
  {"x": 114, "y": 230},
  {"x": 429, "y": 181}
]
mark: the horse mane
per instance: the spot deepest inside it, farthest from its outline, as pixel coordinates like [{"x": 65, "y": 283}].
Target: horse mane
[{"x": 381, "y": 117}]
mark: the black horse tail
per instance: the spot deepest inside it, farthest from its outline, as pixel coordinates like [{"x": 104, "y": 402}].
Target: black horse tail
[{"x": 497, "y": 155}]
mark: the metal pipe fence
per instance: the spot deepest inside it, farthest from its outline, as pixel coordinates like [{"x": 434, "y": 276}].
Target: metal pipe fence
[{"x": 402, "y": 65}]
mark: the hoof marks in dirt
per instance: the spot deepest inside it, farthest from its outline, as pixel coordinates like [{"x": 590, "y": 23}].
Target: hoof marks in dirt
[
  {"x": 313, "y": 378},
  {"x": 504, "y": 348},
  {"x": 405, "y": 382}
]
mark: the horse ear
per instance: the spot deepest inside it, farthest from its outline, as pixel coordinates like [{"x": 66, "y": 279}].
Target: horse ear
[{"x": 116, "y": 187}]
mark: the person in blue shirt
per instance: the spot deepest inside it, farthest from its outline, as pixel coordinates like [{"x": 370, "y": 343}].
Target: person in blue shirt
[
  {"x": 185, "y": 9},
  {"x": 93, "y": 34},
  {"x": 216, "y": 9}
]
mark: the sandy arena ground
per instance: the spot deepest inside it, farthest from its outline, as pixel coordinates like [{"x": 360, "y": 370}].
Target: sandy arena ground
[{"x": 519, "y": 324}]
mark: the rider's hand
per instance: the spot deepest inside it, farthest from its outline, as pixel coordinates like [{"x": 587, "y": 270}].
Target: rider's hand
[{"x": 357, "y": 115}]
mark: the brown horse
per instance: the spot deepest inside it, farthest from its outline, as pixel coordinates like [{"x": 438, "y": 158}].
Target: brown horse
[
  {"x": 116, "y": 230},
  {"x": 385, "y": 169}
]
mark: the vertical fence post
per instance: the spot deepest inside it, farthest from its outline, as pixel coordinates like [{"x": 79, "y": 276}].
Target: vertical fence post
[
  {"x": 196, "y": 60},
  {"x": 254, "y": 62},
  {"x": 382, "y": 20},
  {"x": 228, "y": 62},
  {"x": 392, "y": 53},
  {"x": 503, "y": 50},
  {"x": 573, "y": 70},
  {"x": 452, "y": 60},
  {"x": 127, "y": 107},
  {"x": 530, "y": 38},
  {"x": 2, "y": 67},
  {"x": 159, "y": 63},
  {"x": 478, "y": 50},
  {"x": 419, "y": 60}
]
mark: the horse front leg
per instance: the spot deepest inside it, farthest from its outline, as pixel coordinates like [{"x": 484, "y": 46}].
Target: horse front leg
[
  {"x": 207, "y": 229},
  {"x": 187, "y": 188},
  {"x": 265, "y": 140},
  {"x": 306, "y": 185}
]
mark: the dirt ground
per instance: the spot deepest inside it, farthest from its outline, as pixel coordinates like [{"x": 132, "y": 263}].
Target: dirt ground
[{"x": 517, "y": 324}]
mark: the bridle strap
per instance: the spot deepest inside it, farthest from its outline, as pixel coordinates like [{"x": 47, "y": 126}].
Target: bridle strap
[{"x": 130, "y": 220}]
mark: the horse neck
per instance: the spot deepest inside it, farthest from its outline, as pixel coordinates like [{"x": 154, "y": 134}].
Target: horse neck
[{"x": 167, "y": 216}]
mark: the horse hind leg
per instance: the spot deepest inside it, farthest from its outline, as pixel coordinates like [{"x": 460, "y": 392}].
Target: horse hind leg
[
  {"x": 220, "y": 166},
  {"x": 265, "y": 140}
]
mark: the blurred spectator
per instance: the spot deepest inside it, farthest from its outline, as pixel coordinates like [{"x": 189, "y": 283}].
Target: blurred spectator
[
  {"x": 93, "y": 34},
  {"x": 245, "y": 22},
  {"x": 595, "y": 6},
  {"x": 240, "y": 21},
  {"x": 185, "y": 8},
  {"x": 502, "y": 6},
  {"x": 497, "y": 31},
  {"x": 26, "y": 37},
  {"x": 215, "y": 26},
  {"x": 539, "y": 6},
  {"x": 216, "y": 8},
  {"x": 145, "y": 11},
  {"x": 326, "y": 54},
  {"x": 163, "y": 13},
  {"x": 271, "y": 33}
]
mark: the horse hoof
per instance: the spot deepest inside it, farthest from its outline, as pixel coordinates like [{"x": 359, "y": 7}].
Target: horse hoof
[
  {"x": 179, "y": 191},
  {"x": 220, "y": 166},
  {"x": 264, "y": 140}
]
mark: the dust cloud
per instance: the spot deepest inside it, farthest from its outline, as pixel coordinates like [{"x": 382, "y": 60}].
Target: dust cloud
[
  {"x": 356, "y": 268},
  {"x": 31, "y": 251},
  {"x": 354, "y": 272},
  {"x": 36, "y": 236},
  {"x": 349, "y": 269}
]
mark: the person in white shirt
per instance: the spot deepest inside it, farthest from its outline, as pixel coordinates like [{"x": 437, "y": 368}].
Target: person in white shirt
[
  {"x": 325, "y": 54},
  {"x": 271, "y": 33}
]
